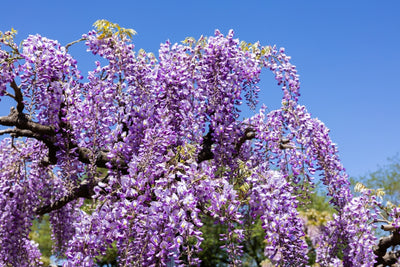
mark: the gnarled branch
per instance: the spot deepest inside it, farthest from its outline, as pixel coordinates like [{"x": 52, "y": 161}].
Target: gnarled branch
[
  {"x": 206, "y": 153},
  {"x": 385, "y": 258},
  {"x": 18, "y": 96},
  {"x": 85, "y": 190},
  {"x": 20, "y": 121}
]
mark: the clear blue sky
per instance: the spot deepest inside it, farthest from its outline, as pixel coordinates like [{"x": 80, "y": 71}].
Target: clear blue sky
[{"x": 347, "y": 53}]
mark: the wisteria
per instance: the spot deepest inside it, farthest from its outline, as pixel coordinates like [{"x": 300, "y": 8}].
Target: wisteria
[
  {"x": 273, "y": 201},
  {"x": 157, "y": 146}
]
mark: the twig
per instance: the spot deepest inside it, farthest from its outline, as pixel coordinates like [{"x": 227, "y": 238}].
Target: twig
[
  {"x": 74, "y": 42},
  {"x": 18, "y": 96}
]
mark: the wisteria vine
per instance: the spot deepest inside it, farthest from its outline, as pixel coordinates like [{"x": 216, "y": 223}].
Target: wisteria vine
[{"x": 158, "y": 145}]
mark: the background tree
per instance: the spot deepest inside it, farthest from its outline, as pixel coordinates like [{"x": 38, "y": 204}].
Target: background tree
[
  {"x": 41, "y": 234},
  {"x": 177, "y": 154},
  {"x": 387, "y": 178}
]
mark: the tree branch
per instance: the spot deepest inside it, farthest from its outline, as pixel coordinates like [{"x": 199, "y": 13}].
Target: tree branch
[
  {"x": 27, "y": 128},
  {"x": 85, "y": 190},
  {"x": 18, "y": 96},
  {"x": 23, "y": 127},
  {"x": 102, "y": 159},
  {"x": 74, "y": 42},
  {"x": 387, "y": 258},
  {"x": 7, "y": 131},
  {"x": 390, "y": 259},
  {"x": 20, "y": 121},
  {"x": 206, "y": 153},
  {"x": 249, "y": 134}
]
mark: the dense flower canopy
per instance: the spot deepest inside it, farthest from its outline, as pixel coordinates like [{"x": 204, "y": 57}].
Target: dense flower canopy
[{"x": 159, "y": 145}]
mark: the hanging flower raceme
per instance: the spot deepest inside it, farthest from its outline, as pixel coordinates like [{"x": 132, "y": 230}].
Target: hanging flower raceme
[
  {"x": 47, "y": 71},
  {"x": 271, "y": 198},
  {"x": 22, "y": 186}
]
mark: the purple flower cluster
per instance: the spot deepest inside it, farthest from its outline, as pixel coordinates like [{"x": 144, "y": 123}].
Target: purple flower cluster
[
  {"x": 62, "y": 226},
  {"x": 7, "y": 60},
  {"x": 22, "y": 185},
  {"x": 47, "y": 73},
  {"x": 395, "y": 215},
  {"x": 273, "y": 201},
  {"x": 169, "y": 133},
  {"x": 351, "y": 230},
  {"x": 7, "y": 71}
]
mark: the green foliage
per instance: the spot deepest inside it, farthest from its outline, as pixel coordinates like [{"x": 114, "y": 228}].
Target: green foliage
[
  {"x": 386, "y": 178},
  {"x": 107, "y": 29},
  {"x": 318, "y": 202},
  {"x": 109, "y": 258},
  {"x": 316, "y": 212},
  {"x": 184, "y": 153},
  {"x": 316, "y": 217},
  {"x": 255, "y": 48},
  {"x": 8, "y": 36},
  {"x": 253, "y": 246},
  {"x": 41, "y": 234},
  {"x": 212, "y": 254},
  {"x": 202, "y": 42},
  {"x": 7, "y": 39},
  {"x": 359, "y": 187}
]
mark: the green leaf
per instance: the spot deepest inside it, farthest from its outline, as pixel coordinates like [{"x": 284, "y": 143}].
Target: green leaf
[{"x": 106, "y": 29}]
